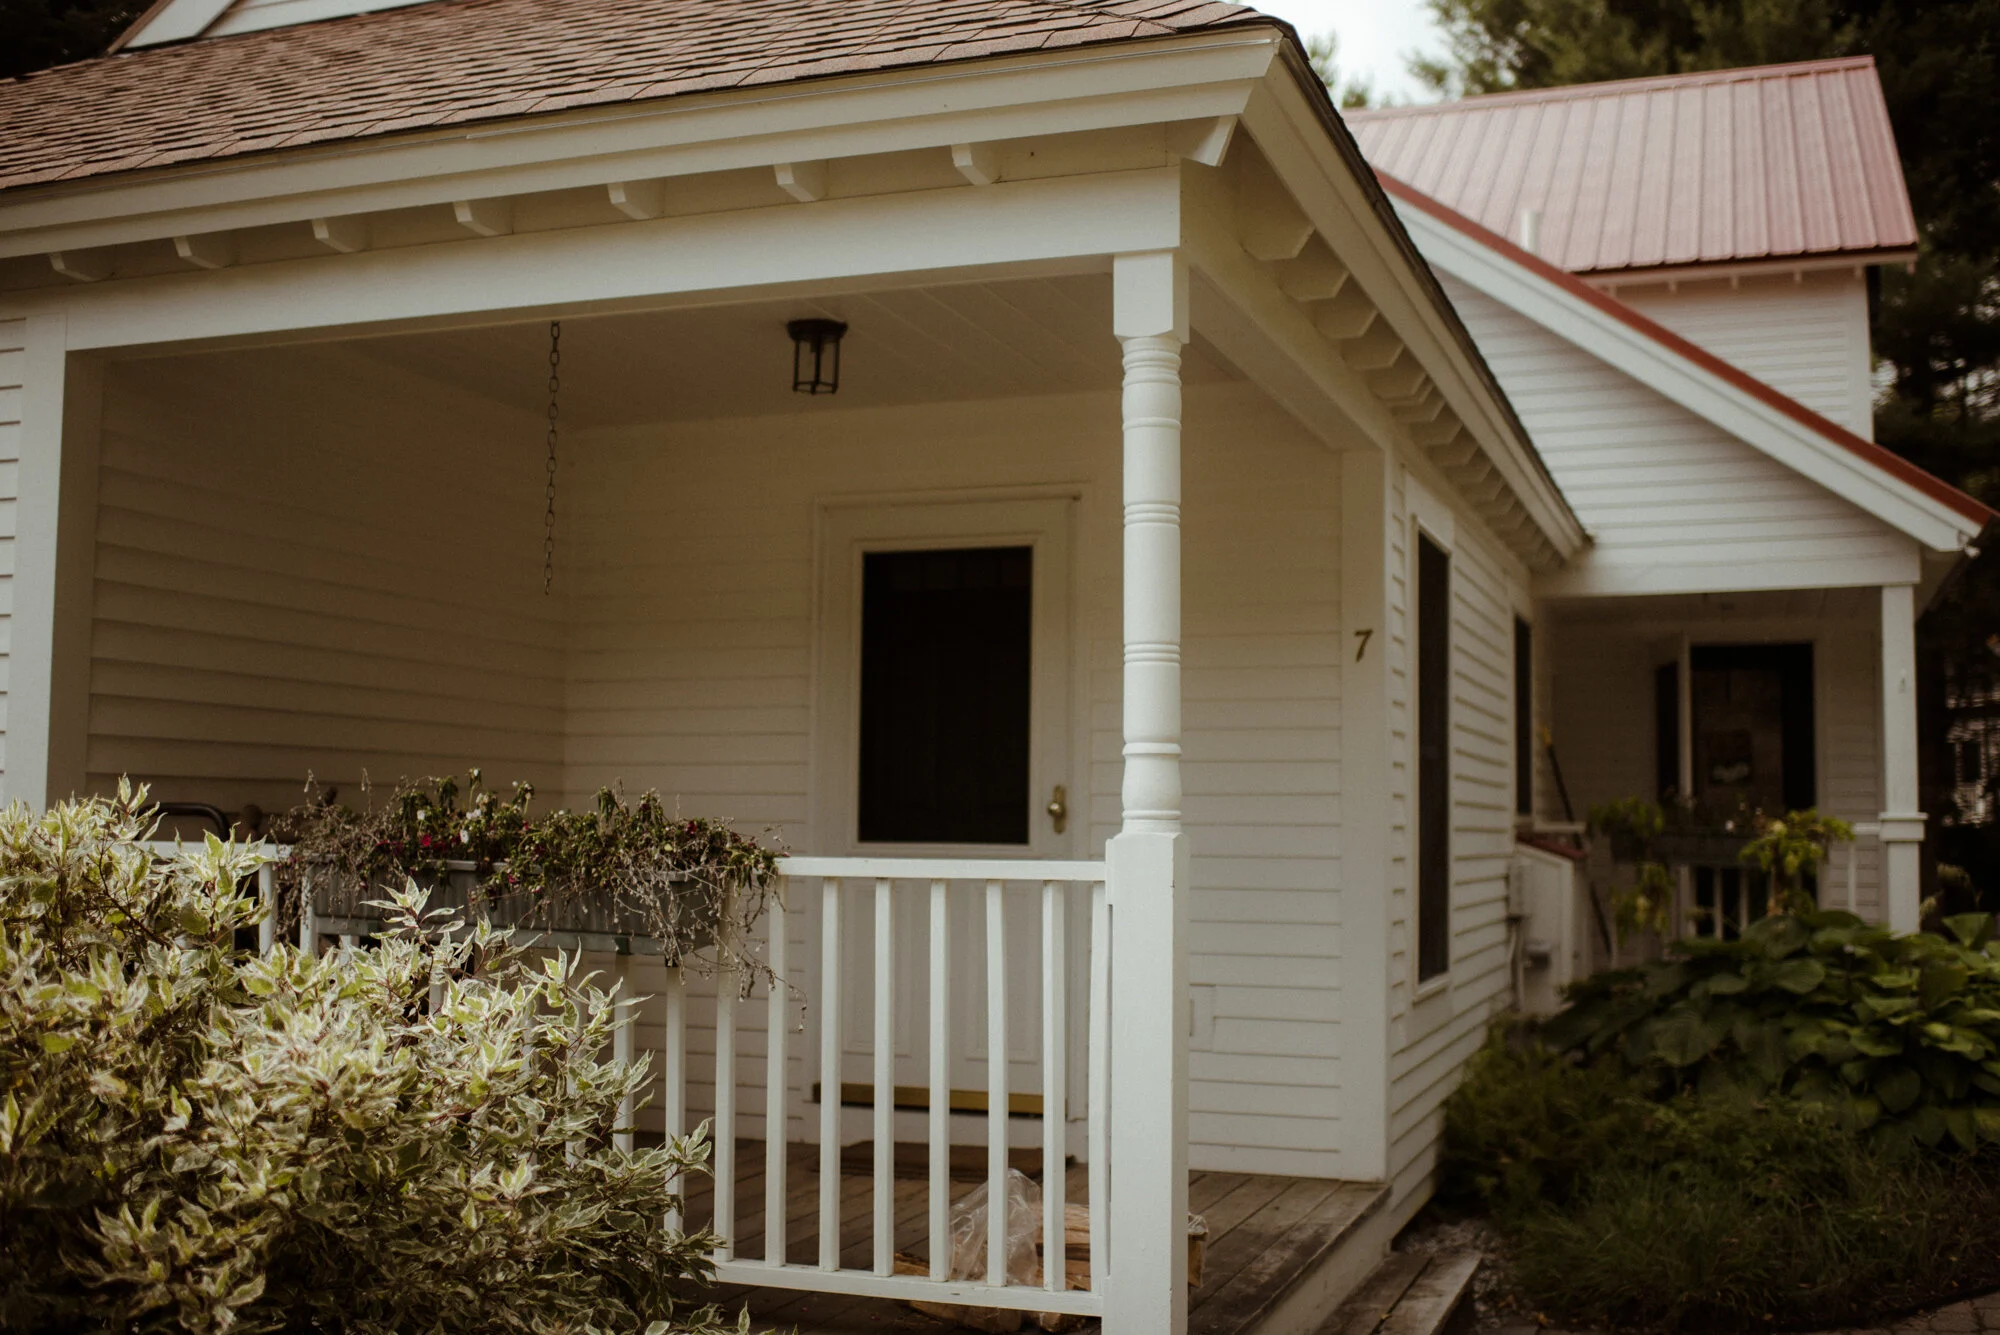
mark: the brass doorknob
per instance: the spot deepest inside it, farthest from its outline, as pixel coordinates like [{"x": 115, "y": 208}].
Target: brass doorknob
[{"x": 1058, "y": 809}]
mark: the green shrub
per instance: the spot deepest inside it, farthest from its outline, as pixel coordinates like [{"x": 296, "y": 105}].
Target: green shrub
[
  {"x": 1700, "y": 1211},
  {"x": 1736, "y": 1215},
  {"x": 1893, "y": 1035},
  {"x": 192, "y": 1138}
]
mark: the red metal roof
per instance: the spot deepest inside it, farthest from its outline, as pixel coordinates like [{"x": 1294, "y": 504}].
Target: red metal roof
[
  {"x": 1867, "y": 450},
  {"x": 451, "y": 62},
  {"x": 1779, "y": 162}
]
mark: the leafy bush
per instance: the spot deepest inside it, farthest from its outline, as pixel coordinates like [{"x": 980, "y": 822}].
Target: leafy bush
[
  {"x": 1709, "y": 1211},
  {"x": 1893, "y": 1035},
  {"x": 192, "y": 1138},
  {"x": 1528, "y": 1125}
]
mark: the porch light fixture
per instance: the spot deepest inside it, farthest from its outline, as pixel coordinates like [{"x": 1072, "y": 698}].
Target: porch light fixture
[{"x": 815, "y": 355}]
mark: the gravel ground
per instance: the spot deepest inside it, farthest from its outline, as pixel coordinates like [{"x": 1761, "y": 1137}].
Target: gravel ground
[{"x": 1494, "y": 1310}]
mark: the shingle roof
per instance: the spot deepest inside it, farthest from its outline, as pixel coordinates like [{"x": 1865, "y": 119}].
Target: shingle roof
[
  {"x": 1779, "y": 162},
  {"x": 449, "y": 62}
]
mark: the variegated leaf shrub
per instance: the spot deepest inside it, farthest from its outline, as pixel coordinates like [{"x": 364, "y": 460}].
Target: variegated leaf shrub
[{"x": 193, "y": 1137}]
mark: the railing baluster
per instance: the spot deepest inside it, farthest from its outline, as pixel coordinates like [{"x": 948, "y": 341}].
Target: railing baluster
[
  {"x": 1099, "y": 1136},
  {"x": 940, "y": 1110},
  {"x": 1853, "y": 856},
  {"x": 885, "y": 1078},
  {"x": 1055, "y": 1073},
  {"x": 777, "y": 1088},
  {"x": 725, "y": 1113},
  {"x": 829, "y": 1076},
  {"x": 308, "y": 920},
  {"x": 673, "y": 1074},
  {"x": 267, "y": 895},
  {"x": 621, "y": 1049},
  {"x": 829, "y": 993},
  {"x": 996, "y": 1083}
]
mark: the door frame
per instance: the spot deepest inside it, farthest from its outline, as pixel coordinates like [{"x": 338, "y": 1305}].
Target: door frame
[{"x": 845, "y": 529}]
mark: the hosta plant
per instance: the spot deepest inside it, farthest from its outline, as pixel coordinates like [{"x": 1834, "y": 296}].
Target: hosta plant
[
  {"x": 413, "y": 1137},
  {"x": 1895, "y": 1036}
]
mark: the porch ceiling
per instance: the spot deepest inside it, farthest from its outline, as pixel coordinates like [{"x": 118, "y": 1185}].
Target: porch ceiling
[{"x": 963, "y": 341}]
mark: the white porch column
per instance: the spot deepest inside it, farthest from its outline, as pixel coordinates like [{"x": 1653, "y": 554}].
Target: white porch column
[
  {"x": 1147, "y": 862},
  {"x": 1902, "y": 822},
  {"x": 48, "y": 681},
  {"x": 1366, "y": 814}
]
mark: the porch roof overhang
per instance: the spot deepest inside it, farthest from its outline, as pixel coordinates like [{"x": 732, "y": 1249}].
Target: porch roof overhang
[
  {"x": 1305, "y": 276},
  {"x": 1192, "y": 78},
  {"x": 1941, "y": 519}
]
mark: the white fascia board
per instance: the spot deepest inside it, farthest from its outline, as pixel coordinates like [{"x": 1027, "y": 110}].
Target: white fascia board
[
  {"x": 1617, "y": 575},
  {"x": 1143, "y": 83},
  {"x": 1681, "y": 381},
  {"x": 1614, "y": 280},
  {"x": 1063, "y": 224},
  {"x": 1291, "y": 134},
  {"x": 174, "y": 21}
]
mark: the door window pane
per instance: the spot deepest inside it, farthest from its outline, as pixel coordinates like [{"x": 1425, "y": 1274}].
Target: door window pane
[{"x": 945, "y": 673}]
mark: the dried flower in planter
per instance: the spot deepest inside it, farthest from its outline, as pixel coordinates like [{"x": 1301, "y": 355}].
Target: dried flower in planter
[{"x": 694, "y": 889}]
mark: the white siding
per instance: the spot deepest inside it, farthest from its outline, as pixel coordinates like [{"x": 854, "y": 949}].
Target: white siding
[
  {"x": 692, "y": 643},
  {"x": 305, "y": 567},
  {"x": 1602, "y": 685},
  {"x": 1808, "y": 338},
  {"x": 1672, "y": 501},
  {"x": 1433, "y": 1030},
  {"x": 13, "y": 366}
]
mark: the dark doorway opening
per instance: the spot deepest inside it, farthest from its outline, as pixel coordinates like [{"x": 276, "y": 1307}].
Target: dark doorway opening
[
  {"x": 1754, "y": 749},
  {"x": 1753, "y": 726}
]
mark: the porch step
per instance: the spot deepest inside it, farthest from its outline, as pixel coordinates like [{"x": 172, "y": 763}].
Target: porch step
[
  {"x": 1285, "y": 1251},
  {"x": 1410, "y": 1293}
]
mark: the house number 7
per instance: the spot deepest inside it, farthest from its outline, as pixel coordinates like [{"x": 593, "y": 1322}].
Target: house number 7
[{"x": 1361, "y": 648}]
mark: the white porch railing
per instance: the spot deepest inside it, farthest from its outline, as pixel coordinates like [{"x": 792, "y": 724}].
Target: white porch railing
[
  {"x": 1731, "y": 910},
  {"x": 932, "y": 880}
]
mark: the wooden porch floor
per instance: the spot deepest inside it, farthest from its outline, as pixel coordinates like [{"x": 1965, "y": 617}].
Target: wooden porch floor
[{"x": 1263, "y": 1233}]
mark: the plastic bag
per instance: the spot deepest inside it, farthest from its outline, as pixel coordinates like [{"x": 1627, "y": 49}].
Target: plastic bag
[{"x": 1024, "y": 1224}]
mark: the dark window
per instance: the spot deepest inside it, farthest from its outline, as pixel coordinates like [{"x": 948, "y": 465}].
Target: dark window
[
  {"x": 1753, "y": 726},
  {"x": 1433, "y": 759},
  {"x": 945, "y": 659},
  {"x": 1524, "y": 718}
]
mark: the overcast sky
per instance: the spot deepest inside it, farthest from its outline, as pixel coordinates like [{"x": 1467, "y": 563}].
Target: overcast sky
[{"x": 1374, "y": 35}]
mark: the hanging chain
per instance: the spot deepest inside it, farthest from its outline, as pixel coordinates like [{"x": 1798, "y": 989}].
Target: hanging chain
[{"x": 549, "y": 516}]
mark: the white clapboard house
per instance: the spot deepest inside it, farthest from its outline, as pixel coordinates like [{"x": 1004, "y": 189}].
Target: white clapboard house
[{"x": 1140, "y": 643}]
